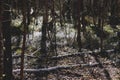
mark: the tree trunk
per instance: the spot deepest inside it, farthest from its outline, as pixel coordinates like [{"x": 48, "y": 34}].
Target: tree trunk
[
  {"x": 7, "y": 40},
  {"x": 1, "y": 44},
  {"x": 25, "y": 26},
  {"x": 61, "y": 13},
  {"x": 100, "y": 22},
  {"x": 79, "y": 27},
  {"x": 44, "y": 28},
  {"x": 100, "y": 25},
  {"x": 118, "y": 34},
  {"x": 1, "y": 54},
  {"x": 42, "y": 60}
]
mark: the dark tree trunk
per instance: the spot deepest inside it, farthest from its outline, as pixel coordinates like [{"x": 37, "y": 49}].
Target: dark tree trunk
[
  {"x": 79, "y": 27},
  {"x": 7, "y": 40},
  {"x": 100, "y": 25},
  {"x": 118, "y": 34},
  {"x": 25, "y": 26},
  {"x": 42, "y": 60},
  {"x": 61, "y": 13},
  {"x": 1, "y": 44},
  {"x": 79, "y": 35},
  {"x": 1, "y": 54},
  {"x": 44, "y": 29}
]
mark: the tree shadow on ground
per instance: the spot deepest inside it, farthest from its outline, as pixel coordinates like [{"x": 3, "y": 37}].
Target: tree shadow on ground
[{"x": 106, "y": 72}]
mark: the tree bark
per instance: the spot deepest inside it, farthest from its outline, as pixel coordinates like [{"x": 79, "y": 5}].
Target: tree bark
[
  {"x": 79, "y": 27},
  {"x": 60, "y": 13},
  {"x": 1, "y": 44},
  {"x": 44, "y": 37},
  {"x": 25, "y": 26},
  {"x": 6, "y": 20}
]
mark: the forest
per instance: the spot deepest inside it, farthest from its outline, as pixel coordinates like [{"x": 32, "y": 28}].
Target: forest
[{"x": 59, "y": 39}]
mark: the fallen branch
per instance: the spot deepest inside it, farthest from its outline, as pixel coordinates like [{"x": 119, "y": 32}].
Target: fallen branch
[
  {"x": 35, "y": 51},
  {"x": 53, "y": 69},
  {"x": 62, "y": 56},
  {"x": 54, "y": 57},
  {"x": 78, "y": 54},
  {"x": 69, "y": 55},
  {"x": 26, "y": 55}
]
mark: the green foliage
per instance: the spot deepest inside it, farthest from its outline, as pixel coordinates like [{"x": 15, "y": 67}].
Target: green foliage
[
  {"x": 18, "y": 51},
  {"x": 108, "y": 29}
]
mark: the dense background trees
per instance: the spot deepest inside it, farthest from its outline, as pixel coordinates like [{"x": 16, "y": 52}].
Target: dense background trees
[{"x": 50, "y": 26}]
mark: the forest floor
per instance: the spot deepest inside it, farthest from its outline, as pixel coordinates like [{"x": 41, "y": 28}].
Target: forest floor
[
  {"x": 109, "y": 71},
  {"x": 92, "y": 65}
]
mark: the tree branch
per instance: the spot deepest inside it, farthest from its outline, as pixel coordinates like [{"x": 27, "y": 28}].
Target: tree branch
[{"x": 53, "y": 69}]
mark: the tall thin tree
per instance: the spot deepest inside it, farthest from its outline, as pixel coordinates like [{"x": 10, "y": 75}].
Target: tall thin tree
[
  {"x": 24, "y": 38},
  {"x": 79, "y": 26}
]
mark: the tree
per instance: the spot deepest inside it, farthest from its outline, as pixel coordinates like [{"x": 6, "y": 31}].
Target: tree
[
  {"x": 26, "y": 22},
  {"x": 1, "y": 44},
  {"x": 6, "y": 28},
  {"x": 1, "y": 53},
  {"x": 79, "y": 25},
  {"x": 42, "y": 60}
]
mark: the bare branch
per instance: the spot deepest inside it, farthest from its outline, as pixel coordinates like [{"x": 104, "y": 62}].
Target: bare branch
[{"x": 53, "y": 69}]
